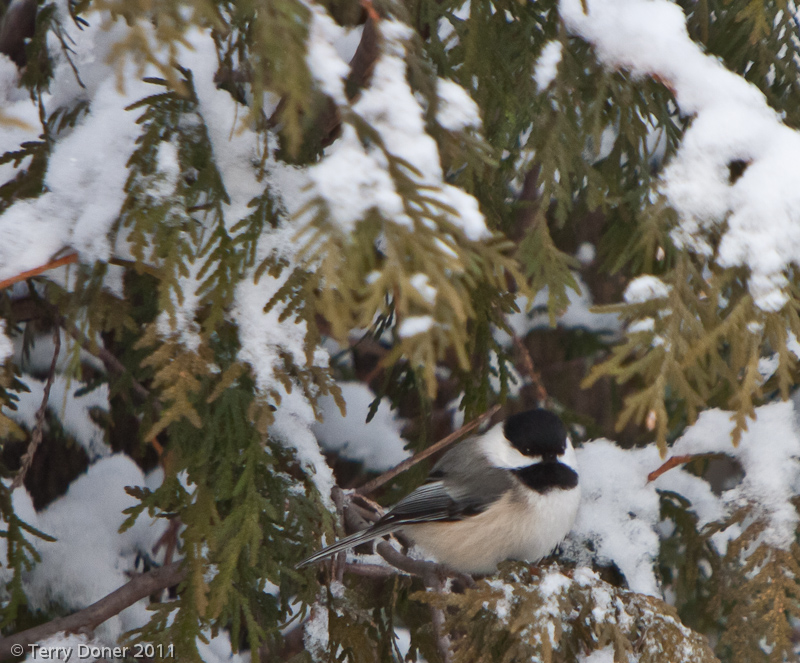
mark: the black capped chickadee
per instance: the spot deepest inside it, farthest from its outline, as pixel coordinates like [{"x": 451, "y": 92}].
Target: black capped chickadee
[{"x": 511, "y": 493}]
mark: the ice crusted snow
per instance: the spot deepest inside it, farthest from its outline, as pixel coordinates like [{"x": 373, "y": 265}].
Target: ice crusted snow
[
  {"x": 732, "y": 123},
  {"x": 546, "y": 67},
  {"x": 377, "y": 444}
]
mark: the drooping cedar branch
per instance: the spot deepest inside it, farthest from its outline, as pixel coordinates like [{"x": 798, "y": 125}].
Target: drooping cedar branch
[{"x": 90, "y": 618}]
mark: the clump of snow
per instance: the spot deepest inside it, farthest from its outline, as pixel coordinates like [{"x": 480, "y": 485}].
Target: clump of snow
[
  {"x": 756, "y": 213},
  {"x": 90, "y": 559},
  {"x": 604, "y": 655},
  {"x": 644, "y": 288},
  {"x": 457, "y": 110},
  {"x": 422, "y": 285},
  {"x": 74, "y": 412},
  {"x": 415, "y": 324},
  {"x": 377, "y": 444},
  {"x": 324, "y": 62},
  {"x": 87, "y": 169},
  {"x": 315, "y": 633},
  {"x": 546, "y": 68},
  {"x": 218, "y": 649},
  {"x": 769, "y": 453},
  {"x": 353, "y": 180},
  {"x": 586, "y": 253},
  {"x": 619, "y": 510}
]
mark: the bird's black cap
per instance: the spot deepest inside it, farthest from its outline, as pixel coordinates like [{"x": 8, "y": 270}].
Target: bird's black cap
[{"x": 536, "y": 432}]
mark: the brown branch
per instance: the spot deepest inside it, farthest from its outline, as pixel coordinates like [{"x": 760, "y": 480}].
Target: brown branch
[
  {"x": 533, "y": 374},
  {"x": 377, "y": 482},
  {"x": 112, "y": 364},
  {"x": 674, "y": 461},
  {"x": 66, "y": 260},
  {"x": 38, "y": 427},
  {"x": 90, "y": 618}
]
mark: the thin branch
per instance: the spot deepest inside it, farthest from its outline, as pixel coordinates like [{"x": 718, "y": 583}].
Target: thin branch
[
  {"x": 112, "y": 364},
  {"x": 377, "y": 482},
  {"x": 38, "y": 428},
  {"x": 90, "y": 618},
  {"x": 674, "y": 461},
  {"x": 66, "y": 260},
  {"x": 533, "y": 374}
]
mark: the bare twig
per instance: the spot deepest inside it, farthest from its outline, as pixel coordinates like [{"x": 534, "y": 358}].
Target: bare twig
[
  {"x": 38, "y": 427},
  {"x": 66, "y": 260},
  {"x": 377, "y": 482},
  {"x": 674, "y": 461},
  {"x": 533, "y": 374},
  {"x": 112, "y": 364},
  {"x": 169, "y": 540},
  {"x": 90, "y": 618}
]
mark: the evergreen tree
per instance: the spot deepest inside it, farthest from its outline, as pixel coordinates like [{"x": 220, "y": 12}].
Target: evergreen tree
[{"x": 222, "y": 222}]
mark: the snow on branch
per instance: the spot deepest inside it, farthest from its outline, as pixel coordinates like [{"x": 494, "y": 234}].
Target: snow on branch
[{"x": 733, "y": 129}]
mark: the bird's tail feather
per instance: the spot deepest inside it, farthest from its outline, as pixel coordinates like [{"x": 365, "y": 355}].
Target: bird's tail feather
[{"x": 350, "y": 542}]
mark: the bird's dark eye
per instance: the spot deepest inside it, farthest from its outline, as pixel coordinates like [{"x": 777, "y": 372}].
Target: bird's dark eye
[{"x": 549, "y": 458}]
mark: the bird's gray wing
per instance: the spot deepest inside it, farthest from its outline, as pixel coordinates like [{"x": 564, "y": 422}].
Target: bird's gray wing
[{"x": 460, "y": 484}]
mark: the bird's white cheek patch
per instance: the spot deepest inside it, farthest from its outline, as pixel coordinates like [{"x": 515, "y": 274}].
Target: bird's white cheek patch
[{"x": 500, "y": 452}]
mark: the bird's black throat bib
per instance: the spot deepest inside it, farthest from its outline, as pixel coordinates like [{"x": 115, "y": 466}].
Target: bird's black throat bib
[{"x": 547, "y": 476}]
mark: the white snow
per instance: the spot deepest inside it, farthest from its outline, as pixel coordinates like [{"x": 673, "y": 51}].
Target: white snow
[
  {"x": 422, "y": 285},
  {"x": 769, "y": 452},
  {"x": 757, "y": 215},
  {"x": 645, "y": 288},
  {"x": 415, "y": 324},
  {"x": 74, "y": 412},
  {"x": 6, "y": 346},
  {"x": 352, "y": 179},
  {"x": 87, "y": 169},
  {"x": 91, "y": 559},
  {"x": 619, "y": 512},
  {"x": 377, "y": 444},
  {"x": 327, "y": 67},
  {"x": 546, "y": 68},
  {"x": 457, "y": 110}
]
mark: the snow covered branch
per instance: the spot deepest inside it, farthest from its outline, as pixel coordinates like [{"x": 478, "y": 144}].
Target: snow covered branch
[{"x": 88, "y": 619}]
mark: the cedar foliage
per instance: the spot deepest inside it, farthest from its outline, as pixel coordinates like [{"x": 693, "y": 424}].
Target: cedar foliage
[{"x": 247, "y": 500}]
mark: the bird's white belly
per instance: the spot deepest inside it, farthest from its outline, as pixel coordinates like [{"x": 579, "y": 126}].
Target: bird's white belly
[{"x": 526, "y": 526}]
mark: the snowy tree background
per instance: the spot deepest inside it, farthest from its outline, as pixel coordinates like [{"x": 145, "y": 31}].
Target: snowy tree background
[{"x": 254, "y": 254}]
